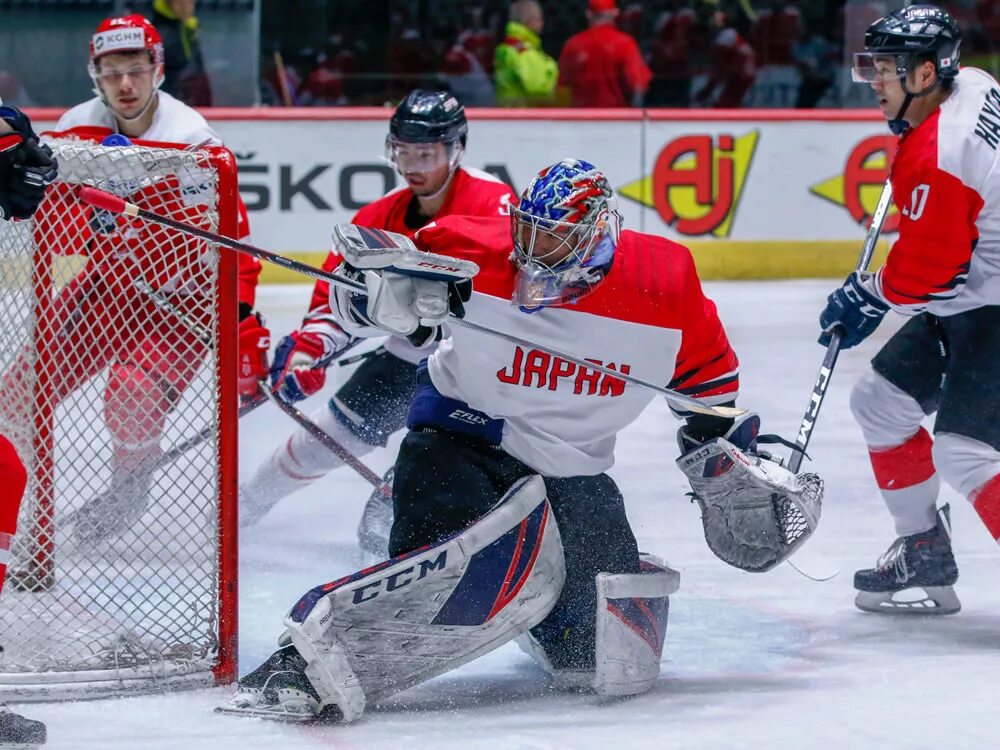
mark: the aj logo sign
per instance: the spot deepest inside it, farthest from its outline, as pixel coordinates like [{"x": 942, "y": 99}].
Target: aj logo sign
[
  {"x": 859, "y": 187},
  {"x": 697, "y": 182}
]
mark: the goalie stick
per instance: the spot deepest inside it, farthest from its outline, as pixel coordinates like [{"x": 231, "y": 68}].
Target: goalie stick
[
  {"x": 833, "y": 349},
  {"x": 114, "y": 204}
]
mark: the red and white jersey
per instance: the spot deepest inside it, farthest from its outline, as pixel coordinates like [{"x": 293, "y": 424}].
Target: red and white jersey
[
  {"x": 472, "y": 192},
  {"x": 173, "y": 122},
  {"x": 648, "y": 318},
  {"x": 946, "y": 185}
]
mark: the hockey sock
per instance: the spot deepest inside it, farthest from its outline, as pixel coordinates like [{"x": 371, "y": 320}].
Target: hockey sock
[
  {"x": 135, "y": 411},
  {"x": 908, "y": 481},
  {"x": 13, "y": 479},
  {"x": 986, "y": 500}
]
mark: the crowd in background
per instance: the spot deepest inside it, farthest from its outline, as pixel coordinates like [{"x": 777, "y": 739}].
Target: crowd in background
[{"x": 666, "y": 53}]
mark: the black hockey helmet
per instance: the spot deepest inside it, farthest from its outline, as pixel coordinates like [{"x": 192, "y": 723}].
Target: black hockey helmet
[
  {"x": 426, "y": 116},
  {"x": 912, "y": 35}
]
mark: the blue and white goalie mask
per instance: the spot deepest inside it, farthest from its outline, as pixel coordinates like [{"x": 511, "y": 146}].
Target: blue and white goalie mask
[{"x": 565, "y": 229}]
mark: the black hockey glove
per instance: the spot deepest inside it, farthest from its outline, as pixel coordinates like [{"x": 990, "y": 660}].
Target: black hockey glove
[
  {"x": 26, "y": 168},
  {"x": 853, "y": 309}
]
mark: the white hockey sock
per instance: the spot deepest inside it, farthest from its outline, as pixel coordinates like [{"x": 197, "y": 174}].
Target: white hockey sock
[{"x": 296, "y": 464}]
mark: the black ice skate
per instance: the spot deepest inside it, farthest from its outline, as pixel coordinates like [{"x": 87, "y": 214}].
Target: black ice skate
[
  {"x": 919, "y": 562},
  {"x": 19, "y": 732},
  {"x": 278, "y": 689},
  {"x": 113, "y": 512}
]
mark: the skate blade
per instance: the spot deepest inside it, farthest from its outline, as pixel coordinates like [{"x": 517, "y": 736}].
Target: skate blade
[
  {"x": 937, "y": 600},
  {"x": 271, "y": 713}
]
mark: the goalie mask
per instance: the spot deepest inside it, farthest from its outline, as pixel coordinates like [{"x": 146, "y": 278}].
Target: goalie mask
[{"x": 565, "y": 230}]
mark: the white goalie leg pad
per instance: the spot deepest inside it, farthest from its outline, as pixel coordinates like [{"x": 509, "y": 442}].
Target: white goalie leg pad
[
  {"x": 386, "y": 628},
  {"x": 632, "y": 612}
]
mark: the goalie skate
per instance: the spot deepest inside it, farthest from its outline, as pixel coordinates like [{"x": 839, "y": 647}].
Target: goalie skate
[
  {"x": 914, "y": 576},
  {"x": 277, "y": 690}
]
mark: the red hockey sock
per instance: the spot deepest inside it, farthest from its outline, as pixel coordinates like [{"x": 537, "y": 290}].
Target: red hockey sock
[
  {"x": 905, "y": 465},
  {"x": 986, "y": 500},
  {"x": 13, "y": 480}
]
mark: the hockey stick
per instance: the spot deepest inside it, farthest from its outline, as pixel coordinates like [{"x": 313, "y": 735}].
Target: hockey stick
[
  {"x": 325, "y": 438},
  {"x": 264, "y": 393},
  {"x": 114, "y": 204},
  {"x": 833, "y": 348}
]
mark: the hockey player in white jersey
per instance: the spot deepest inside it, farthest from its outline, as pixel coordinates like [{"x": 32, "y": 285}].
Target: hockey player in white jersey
[
  {"x": 151, "y": 358},
  {"x": 27, "y": 168},
  {"x": 506, "y": 524},
  {"x": 943, "y": 272}
]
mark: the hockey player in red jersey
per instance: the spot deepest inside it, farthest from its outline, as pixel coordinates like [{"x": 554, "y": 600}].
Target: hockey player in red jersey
[
  {"x": 944, "y": 273},
  {"x": 26, "y": 169},
  {"x": 507, "y": 525},
  {"x": 150, "y": 355},
  {"x": 426, "y": 141}
]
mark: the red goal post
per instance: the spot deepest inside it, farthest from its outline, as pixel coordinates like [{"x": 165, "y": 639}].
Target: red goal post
[{"x": 97, "y": 380}]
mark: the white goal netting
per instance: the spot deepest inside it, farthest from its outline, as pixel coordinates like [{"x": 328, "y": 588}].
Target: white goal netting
[{"x": 121, "y": 574}]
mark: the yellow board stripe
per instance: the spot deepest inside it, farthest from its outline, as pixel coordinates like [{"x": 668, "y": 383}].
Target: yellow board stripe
[{"x": 716, "y": 260}]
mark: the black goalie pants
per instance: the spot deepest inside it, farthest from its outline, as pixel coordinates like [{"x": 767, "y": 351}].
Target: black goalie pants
[{"x": 444, "y": 482}]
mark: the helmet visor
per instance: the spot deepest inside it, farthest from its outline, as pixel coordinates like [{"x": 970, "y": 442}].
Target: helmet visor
[
  {"x": 420, "y": 158},
  {"x": 872, "y": 67}
]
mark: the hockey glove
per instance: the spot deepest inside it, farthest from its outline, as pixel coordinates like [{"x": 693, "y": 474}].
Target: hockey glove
[
  {"x": 755, "y": 513},
  {"x": 301, "y": 359},
  {"x": 254, "y": 341},
  {"x": 854, "y": 309},
  {"x": 26, "y": 168}
]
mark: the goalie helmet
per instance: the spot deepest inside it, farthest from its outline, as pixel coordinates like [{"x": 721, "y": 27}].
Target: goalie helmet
[{"x": 565, "y": 229}]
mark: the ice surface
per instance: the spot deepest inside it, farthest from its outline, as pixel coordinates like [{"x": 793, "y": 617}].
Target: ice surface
[{"x": 752, "y": 660}]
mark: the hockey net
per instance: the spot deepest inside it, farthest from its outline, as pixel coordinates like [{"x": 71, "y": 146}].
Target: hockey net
[{"x": 122, "y": 574}]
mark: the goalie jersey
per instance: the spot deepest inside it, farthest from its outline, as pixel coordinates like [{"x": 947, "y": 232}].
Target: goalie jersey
[{"x": 649, "y": 318}]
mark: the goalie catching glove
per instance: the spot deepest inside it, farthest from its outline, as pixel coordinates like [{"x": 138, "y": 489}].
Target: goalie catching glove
[
  {"x": 755, "y": 512},
  {"x": 409, "y": 292}
]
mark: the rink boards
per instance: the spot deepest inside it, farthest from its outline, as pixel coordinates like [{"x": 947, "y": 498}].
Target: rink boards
[{"x": 755, "y": 194}]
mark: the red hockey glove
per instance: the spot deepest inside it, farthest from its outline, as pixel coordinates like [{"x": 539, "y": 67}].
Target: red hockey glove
[{"x": 254, "y": 341}]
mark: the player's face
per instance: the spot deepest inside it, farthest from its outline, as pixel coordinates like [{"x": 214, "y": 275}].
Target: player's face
[
  {"x": 127, "y": 81},
  {"x": 547, "y": 247},
  {"x": 426, "y": 167},
  {"x": 887, "y": 87}
]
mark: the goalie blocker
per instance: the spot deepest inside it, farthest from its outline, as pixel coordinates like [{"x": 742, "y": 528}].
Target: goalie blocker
[{"x": 384, "y": 629}]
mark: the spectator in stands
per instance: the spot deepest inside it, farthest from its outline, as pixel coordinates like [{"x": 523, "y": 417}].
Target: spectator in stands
[
  {"x": 525, "y": 76},
  {"x": 602, "y": 66},
  {"x": 817, "y": 58},
  {"x": 183, "y": 67},
  {"x": 464, "y": 76},
  {"x": 670, "y": 56},
  {"x": 775, "y": 33},
  {"x": 733, "y": 67}
]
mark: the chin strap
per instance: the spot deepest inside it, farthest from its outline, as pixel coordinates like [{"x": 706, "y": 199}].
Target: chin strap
[{"x": 898, "y": 125}]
